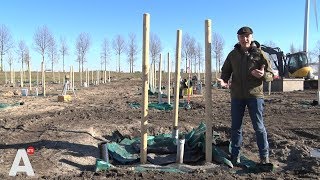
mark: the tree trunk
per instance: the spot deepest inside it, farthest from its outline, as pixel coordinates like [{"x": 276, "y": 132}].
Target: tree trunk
[
  {"x": 119, "y": 62},
  {"x": 1, "y": 65},
  {"x": 52, "y": 71},
  {"x": 63, "y": 63},
  {"x": 105, "y": 64}
]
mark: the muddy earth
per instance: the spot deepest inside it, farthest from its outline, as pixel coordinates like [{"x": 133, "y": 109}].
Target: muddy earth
[{"x": 65, "y": 135}]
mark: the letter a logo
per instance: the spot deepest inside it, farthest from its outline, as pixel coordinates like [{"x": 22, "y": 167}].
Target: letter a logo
[{"x": 21, "y": 154}]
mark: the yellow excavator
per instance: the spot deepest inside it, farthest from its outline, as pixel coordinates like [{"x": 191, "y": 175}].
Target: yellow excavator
[{"x": 292, "y": 65}]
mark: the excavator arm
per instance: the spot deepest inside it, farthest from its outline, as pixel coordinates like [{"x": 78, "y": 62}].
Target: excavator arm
[{"x": 280, "y": 62}]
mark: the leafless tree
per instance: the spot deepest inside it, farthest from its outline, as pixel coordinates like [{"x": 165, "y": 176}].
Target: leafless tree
[
  {"x": 119, "y": 47},
  {"x": 22, "y": 48},
  {"x": 82, "y": 48},
  {"x": 293, "y": 49},
  {"x": 42, "y": 39},
  {"x": 155, "y": 47},
  {"x": 6, "y": 43},
  {"x": 132, "y": 50},
  {"x": 199, "y": 55},
  {"x": 188, "y": 49},
  {"x": 270, "y": 44},
  {"x": 64, "y": 50},
  {"x": 53, "y": 54},
  {"x": 105, "y": 54},
  {"x": 217, "y": 49},
  {"x": 27, "y": 58},
  {"x": 10, "y": 60}
]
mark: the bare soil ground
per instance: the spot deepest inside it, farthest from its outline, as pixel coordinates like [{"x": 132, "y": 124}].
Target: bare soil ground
[{"x": 65, "y": 135}]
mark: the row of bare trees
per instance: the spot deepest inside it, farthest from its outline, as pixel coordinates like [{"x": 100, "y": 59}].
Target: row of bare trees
[
  {"x": 192, "y": 52},
  {"x": 45, "y": 44}
]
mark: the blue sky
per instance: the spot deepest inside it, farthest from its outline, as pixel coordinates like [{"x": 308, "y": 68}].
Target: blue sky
[{"x": 273, "y": 20}]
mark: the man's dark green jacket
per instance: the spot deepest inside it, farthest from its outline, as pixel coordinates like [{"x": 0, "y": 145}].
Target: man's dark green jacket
[{"x": 238, "y": 67}]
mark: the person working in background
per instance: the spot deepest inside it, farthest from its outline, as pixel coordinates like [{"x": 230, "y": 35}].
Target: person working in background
[{"x": 248, "y": 67}]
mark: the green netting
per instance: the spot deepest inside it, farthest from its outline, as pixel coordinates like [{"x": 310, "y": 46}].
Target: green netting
[
  {"x": 162, "y": 169},
  {"x": 6, "y": 105},
  {"x": 162, "y": 150},
  {"x": 134, "y": 105},
  {"x": 220, "y": 156},
  {"x": 197, "y": 136},
  {"x": 155, "y": 105},
  {"x": 102, "y": 165},
  {"x": 161, "y": 106},
  {"x": 125, "y": 154}
]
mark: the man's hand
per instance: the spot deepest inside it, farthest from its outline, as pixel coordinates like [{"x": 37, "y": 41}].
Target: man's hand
[
  {"x": 222, "y": 83},
  {"x": 258, "y": 73}
]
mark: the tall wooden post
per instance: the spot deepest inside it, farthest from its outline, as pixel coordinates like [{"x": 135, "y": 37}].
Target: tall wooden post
[
  {"x": 14, "y": 78},
  {"x": 105, "y": 77},
  {"x": 21, "y": 78},
  {"x": 43, "y": 78},
  {"x": 37, "y": 78},
  {"x": 80, "y": 73},
  {"x": 145, "y": 71},
  {"x": 5, "y": 77},
  {"x": 169, "y": 88},
  {"x": 151, "y": 78},
  {"x": 59, "y": 77},
  {"x": 11, "y": 75},
  {"x": 97, "y": 76},
  {"x": 154, "y": 75},
  {"x": 208, "y": 95},
  {"x": 30, "y": 80},
  {"x": 109, "y": 76},
  {"x": 177, "y": 80},
  {"x": 160, "y": 76},
  {"x": 72, "y": 78},
  {"x": 87, "y": 77},
  {"x": 92, "y": 78}
]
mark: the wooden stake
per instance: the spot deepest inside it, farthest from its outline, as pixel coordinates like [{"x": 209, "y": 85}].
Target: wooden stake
[
  {"x": 43, "y": 79},
  {"x": 87, "y": 77},
  {"x": 269, "y": 88},
  {"x": 21, "y": 78},
  {"x": 145, "y": 71},
  {"x": 208, "y": 95},
  {"x": 109, "y": 76},
  {"x": 72, "y": 78},
  {"x": 97, "y": 76},
  {"x": 169, "y": 88},
  {"x": 30, "y": 80},
  {"x": 152, "y": 78},
  {"x": 59, "y": 80},
  {"x": 105, "y": 77},
  {"x": 177, "y": 78},
  {"x": 92, "y": 78},
  {"x": 37, "y": 78},
  {"x": 154, "y": 75},
  {"x": 5, "y": 77},
  {"x": 11, "y": 75},
  {"x": 14, "y": 78},
  {"x": 80, "y": 72},
  {"x": 160, "y": 76}
]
